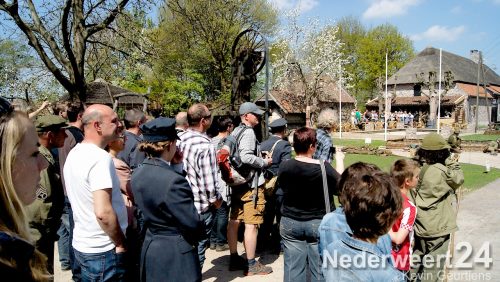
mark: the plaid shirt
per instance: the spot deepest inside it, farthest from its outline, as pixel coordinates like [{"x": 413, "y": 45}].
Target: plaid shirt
[
  {"x": 324, "y": 143},
  {"x": 200, "y": 165}
]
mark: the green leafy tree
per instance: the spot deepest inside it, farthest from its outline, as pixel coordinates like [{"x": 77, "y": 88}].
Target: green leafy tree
[
  {"x": 365, "y": 50},
  {"x": 197, "y": 35},
  {"x": 371, "y": 56}
]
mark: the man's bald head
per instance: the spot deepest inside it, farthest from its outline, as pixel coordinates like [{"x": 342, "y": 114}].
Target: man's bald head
[
  {"x": 181, "y": 120},
  {"x": 95, "y": 113}
]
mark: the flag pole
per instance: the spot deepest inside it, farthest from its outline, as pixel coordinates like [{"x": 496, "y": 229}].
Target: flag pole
[
  {"x": 386, "y": 113},
  {"x": 439, "y": 90},
  {"x": 340, "y": 100}
]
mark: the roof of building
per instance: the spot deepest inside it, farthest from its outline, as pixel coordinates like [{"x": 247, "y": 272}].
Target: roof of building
[
  {"x": 463, "y": 69},
  {"x": 294, "y": 101},
  {"x": 471, "y": 90},
  {"x": 103, "y": 92},
  {"x": 418, "y": 101}
]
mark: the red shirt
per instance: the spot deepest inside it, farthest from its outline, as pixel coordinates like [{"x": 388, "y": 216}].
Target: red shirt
[{"x": 402, "y": 253}]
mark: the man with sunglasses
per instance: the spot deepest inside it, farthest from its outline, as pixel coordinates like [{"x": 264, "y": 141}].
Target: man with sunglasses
[
  {"x": 200, "y": 166},
  {"x": 247, "y": 200}
]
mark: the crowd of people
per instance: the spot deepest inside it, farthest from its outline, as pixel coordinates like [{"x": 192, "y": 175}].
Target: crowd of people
[
  {"x": 407, "y": 118},
  {"x": 142, "y": 200}
]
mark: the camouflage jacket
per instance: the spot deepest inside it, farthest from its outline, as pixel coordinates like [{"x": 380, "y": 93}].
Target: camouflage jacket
[{"x": 44, "y": 214}]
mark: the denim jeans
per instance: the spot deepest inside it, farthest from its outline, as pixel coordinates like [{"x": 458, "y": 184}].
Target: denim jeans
[
  {"x": 75, "y": 267},
  {"x": 300, "y": 240},
  {"x": 208, "y": 218},
  {"x": 219, "y": 228},
  {"x": 64, "y": 243},
  {"x": 107, "y": 266}
]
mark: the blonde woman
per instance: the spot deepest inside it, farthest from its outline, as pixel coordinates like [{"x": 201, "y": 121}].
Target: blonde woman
[{"x": 20, "y": 166}]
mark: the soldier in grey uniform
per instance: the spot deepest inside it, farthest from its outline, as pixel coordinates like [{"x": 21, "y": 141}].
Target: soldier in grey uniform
[
  {"x": 280, "y": 150},
  {"x": 44, "y": 214}
]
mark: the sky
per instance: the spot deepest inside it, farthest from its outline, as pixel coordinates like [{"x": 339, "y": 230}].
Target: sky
[{"x": 456, "y": 26}]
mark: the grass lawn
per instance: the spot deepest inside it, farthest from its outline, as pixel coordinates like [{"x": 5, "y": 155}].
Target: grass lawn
[
  {"x": 357, "y": 142},
  {"x": 474, "y": 174},
  {"x": 480, "y": 137}
]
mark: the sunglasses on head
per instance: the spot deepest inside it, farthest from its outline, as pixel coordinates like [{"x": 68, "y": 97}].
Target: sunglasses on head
[{"x": 5, "y": 107}]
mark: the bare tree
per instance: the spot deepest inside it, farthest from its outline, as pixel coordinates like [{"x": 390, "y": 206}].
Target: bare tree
[
  {"x": 60, "y": 31},
  {"x": 430, "y": 84}
]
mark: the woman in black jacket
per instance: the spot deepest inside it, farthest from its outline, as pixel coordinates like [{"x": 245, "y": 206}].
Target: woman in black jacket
[{"x": 165, "y": 198}]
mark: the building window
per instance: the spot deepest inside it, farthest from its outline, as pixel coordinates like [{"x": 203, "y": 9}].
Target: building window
[{"x": 417, "y": 90}]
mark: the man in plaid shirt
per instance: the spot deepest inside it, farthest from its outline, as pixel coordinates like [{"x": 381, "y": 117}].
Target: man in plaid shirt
[
  {"x": 200, "y": 166},
  {"x": 324, "y": 147}
]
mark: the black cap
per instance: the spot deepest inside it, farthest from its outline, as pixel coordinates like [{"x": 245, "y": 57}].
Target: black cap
[
  {"x": 158, "y": 130},
  {"x": 278, "y": 123}
]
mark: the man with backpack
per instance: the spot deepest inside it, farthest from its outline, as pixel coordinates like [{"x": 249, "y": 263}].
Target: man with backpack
[
  {"x": 279, "y": 149},
  {"x": 247, "y": 200}
]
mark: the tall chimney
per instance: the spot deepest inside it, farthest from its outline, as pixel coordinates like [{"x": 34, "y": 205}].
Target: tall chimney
[{"x": 474, "y": 56}]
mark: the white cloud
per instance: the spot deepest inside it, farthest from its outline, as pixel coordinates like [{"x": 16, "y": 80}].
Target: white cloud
[
  {"x": 457, "y": 10},
  {"x": 440, "y": 33},
  {"x": 301, "y": 5},
  {"x": 388, "y": 8}
]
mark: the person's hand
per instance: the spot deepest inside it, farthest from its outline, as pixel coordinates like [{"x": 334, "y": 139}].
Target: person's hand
[
  {"x": 44, "y": 105},
  {"x": 217, "y": 204},
  {"x": 339, "y": 154},
  {"x": 268, "y": 160},
  {"x": 120, "y": 249},
  {"x": 178, "y": 156}
]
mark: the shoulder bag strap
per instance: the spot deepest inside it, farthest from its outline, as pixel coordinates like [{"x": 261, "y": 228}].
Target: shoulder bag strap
[
  {"x": 272, "y": 149},
  {"x": 325, "y": 186}
]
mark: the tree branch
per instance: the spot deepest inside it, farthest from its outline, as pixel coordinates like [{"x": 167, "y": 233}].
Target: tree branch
[
  {"x": 48, "y": 38},
  {"x": 109, "y": 46},
  {"x": 66, "y": 37},
  {"x": 12, "y": 11},
  {"x": 108, "y": 20}
]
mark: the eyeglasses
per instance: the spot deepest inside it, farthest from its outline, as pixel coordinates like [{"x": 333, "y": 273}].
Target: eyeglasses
[{"x": 5, "y": 107}]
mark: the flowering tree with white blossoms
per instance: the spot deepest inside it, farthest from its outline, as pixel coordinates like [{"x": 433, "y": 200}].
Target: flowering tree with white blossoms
[{"x": 304, "y": 57}]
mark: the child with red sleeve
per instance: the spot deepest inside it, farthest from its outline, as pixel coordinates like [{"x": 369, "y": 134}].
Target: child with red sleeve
[{"x": 405, "y": 173}]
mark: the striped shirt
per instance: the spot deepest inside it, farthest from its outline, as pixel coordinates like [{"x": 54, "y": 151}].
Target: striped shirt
[
  {"x": 324, "y": 143},
  {"x": 200, "y": 165}
]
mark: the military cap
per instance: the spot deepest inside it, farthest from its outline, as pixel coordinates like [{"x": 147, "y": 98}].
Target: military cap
[
  {"x": 158, "y": 130},
  {"x": 434, "y": 142},
  {"x": 278, "y": 123},
  {"x": 249, "y": 107},
  {"x": 49, "y": 123}
]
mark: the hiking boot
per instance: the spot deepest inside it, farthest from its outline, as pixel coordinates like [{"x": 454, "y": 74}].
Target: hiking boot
[
  {"x": 258, "y": 269},
  {"x": 237, "y": 263},
  {"x": 221, "y": 248}
]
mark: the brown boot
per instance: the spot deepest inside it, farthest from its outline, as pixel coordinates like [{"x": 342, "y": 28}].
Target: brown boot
[{"x": 258, "y": 269}]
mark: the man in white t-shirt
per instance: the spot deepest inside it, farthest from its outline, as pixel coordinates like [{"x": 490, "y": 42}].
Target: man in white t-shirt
[{"x": 93, "y": 189}]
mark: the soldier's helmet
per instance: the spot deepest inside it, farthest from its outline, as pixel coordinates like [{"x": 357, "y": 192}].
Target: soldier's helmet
[{"x": 434, "y": 142}]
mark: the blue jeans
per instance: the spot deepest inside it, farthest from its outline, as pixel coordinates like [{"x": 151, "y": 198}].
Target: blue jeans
[
  {"x": 208, "y": 218},
  {"x": 219, "y": 229},
  {"x": 64, "y": 243},
  {"x": 300, "y": 239},
  {"x": 107, "y": 266}
]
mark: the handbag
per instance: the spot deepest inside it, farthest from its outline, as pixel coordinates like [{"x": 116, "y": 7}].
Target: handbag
[
  {"x": 270, "y": 184},
  {"x": 325, "y": 187}
]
